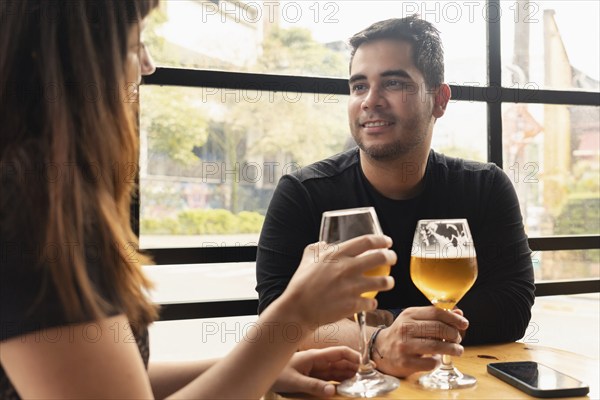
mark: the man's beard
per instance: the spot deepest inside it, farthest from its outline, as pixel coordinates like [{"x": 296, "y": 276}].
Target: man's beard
[
  {"x": 388, "y": 152},
  {"x": 391, "y": 151}
]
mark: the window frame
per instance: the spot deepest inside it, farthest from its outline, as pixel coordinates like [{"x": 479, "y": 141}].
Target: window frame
[{"x": 494, "y": 95}]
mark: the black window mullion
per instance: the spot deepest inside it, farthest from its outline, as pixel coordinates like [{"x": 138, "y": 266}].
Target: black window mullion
[
  {"x": 197, "y": 78},
  {"x": 247, "y": 81},
  {"x": 227, "y": 254},
  {"x": 494, "y": 70}
]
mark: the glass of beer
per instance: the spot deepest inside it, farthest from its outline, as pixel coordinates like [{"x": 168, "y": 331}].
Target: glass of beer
[
  {"x": 443, "y": 266},
  {"x": 338, "y": 226}
]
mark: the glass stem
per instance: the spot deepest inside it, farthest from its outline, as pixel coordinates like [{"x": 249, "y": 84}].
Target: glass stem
[
  {"x": 363, "y": 345},
  {"x": 446, "y": 359},
  {"x": 446, "y": 362}
]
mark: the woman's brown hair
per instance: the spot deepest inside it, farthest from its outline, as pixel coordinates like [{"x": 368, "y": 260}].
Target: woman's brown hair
[{"x": 69, "y": 148}]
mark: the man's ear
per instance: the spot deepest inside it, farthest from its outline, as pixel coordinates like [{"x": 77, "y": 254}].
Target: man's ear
[{"x": 442, "y": 96}]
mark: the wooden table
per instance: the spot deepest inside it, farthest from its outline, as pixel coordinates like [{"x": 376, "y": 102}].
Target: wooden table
[{"x": 475, "y": 360}]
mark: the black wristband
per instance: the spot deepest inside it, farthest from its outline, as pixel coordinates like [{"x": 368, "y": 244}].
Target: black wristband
[{"x": 373, "y": 338}]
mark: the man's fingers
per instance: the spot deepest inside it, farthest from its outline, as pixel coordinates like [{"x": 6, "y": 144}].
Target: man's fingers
[
  {"x": 417, "y": 364},
  {"x": 432, "y": 313},
  {"x": 429, "y": 330},
  {"x": 420, "y": 346},
  {"x": 409, "y": 364}
]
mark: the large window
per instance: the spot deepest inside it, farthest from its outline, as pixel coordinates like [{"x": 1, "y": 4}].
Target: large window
[
  {"x": 305, "y": 37},
  {"x": 211, "y": 158},
  {"x": 266, "y": 94}
]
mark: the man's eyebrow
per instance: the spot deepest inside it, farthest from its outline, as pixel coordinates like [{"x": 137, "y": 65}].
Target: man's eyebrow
[
  {"x": 355, "y": 78},
  {"x": 400, "y": 73}
]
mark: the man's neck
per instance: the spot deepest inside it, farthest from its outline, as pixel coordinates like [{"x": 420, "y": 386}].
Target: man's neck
[{"x": 399, "y": 179}]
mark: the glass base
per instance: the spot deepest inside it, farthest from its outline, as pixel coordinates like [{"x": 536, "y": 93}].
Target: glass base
[
  {"x": 447, "y": 379},
  {"x": 369, "y": 384}
]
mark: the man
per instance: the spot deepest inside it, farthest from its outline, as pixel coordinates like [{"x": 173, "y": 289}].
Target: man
[{"x": 396, "y": 95}]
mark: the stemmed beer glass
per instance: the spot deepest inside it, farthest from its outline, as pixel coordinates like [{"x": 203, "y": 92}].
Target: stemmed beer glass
[
  {"x": 338, "y": 226},
  {"x": 443, "y": 266}
]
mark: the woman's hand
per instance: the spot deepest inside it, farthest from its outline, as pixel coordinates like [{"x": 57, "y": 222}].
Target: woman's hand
[
  {"x": 310, "y": 371},
  {"x": 328, "y": 284}
]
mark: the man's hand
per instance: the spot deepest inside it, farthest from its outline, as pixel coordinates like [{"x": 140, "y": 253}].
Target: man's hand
[
  {"x": 310, "y": 371},
  {"x": 412, "y": 342}
]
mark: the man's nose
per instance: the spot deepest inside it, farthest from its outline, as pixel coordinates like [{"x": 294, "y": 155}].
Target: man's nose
[{"x": 373, "y": 99}]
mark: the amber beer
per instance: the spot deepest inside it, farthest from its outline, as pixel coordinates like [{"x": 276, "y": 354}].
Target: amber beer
[
  {"x": 444, "y": 281},
  {"x": 382, "y": 270}
]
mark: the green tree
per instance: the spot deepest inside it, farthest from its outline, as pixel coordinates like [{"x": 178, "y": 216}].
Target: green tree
[
  {"x": 304, "y": 126},
  {"x": 280, "y": 126},
  {"x": 175, "y": 122},
  {"x": 580, "y": 214},
  {"x": 294, "y": 51},
  {"x": 295, "y": 126}
]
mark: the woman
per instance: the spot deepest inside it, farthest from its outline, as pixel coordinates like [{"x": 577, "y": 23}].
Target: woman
[{"x": 72, "y": 292}]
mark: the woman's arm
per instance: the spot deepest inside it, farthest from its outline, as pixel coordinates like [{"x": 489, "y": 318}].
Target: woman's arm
[
  {"x": 168, "y": 377},
  {"x": 308, "y": 372},
  {"x": 81, "y": 361},
  {"x": 87, "y": 360},
  {"x": 326, "y": 287}
]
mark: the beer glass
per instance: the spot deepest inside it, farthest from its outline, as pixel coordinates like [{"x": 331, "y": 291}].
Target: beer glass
[
  {"x": 338, "y": 226},
  {"x": 443, "y": 266}
]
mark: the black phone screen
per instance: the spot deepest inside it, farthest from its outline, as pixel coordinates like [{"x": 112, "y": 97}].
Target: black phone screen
[{"x": 539, "y": 376}]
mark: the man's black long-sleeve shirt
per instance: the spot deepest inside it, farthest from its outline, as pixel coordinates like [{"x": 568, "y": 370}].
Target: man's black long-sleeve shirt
[{"x": 498, "y": 305}]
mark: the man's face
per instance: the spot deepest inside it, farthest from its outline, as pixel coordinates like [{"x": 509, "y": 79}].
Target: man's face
[{"x": 390, "y": 109}]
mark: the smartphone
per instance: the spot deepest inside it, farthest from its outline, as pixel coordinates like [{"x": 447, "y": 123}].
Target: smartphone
[{"x": 537, "y": 380}]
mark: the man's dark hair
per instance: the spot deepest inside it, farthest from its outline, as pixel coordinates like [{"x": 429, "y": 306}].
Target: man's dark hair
[{"x": 428, "y": 54}]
